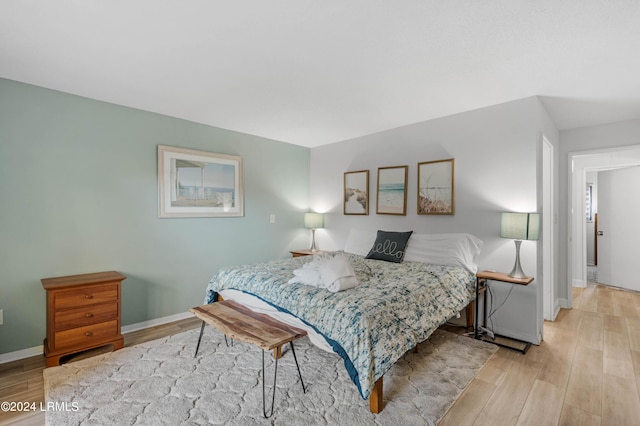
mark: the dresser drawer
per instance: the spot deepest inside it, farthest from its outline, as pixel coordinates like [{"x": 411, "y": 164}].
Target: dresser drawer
[
  {"x": 87, "y": 335},
  {"x": 86, "y": 315},
  {"x": 87, "y": 295}
]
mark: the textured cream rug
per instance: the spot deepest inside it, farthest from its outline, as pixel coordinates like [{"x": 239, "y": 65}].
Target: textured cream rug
[{"x": 161, "y": 383}]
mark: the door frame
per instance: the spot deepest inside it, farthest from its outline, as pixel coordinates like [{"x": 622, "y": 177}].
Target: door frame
[
  {"x": 550, "y": 307},
  {"x": 579, "y": 163}
]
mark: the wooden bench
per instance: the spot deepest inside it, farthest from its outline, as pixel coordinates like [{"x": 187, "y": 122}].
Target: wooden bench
[
  {"x": 375, "y": 398},
  {"x": 241, "y": 323}
]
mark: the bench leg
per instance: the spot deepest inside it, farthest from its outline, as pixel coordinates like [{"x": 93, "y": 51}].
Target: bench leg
[
  {"x": 275, "y": 376},
  {"x": 375, "y": 398},
  {"x": 298, "y": 367},
  {"x": 273, "y": 398},
  {"x": 199, "y": 339},
  {"x": 226, "y": 342},
  {"x": 220, "y": 299}
]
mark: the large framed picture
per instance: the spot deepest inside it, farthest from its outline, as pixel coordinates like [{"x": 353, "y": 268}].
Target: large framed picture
[
  {"x": 198, "y": 183},
  {"x": 436, "y": 187},
  {"x": 392, "y": 190},
  {"x": 356, "y": 192}
]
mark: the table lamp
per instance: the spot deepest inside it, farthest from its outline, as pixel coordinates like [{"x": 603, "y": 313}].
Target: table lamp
[
  {"x": 313, "y": 221},
  {"x": 519, "y": 226}
]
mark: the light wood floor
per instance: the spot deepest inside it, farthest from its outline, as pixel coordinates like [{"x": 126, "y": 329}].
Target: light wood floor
[{"x": 587, "y": 371}]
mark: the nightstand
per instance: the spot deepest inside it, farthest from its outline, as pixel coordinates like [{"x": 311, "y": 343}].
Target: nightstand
[
  {"x": 298, "y": 253},
  {"x": 482, "y": 279},
  {"x": 83, "y": 312}
]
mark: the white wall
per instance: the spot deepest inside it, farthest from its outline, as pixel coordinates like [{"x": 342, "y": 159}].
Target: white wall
[
  {"x": 495, "y": 151},
  {"x": 547, "y": 275},
  {"x": 618, "y": 246},
  {"x": 78, "y": 191},
  {"x": 586, "y": 140}
]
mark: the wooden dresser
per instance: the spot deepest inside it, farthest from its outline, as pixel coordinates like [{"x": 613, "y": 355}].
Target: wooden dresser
[{"x": 83, "y": 312}]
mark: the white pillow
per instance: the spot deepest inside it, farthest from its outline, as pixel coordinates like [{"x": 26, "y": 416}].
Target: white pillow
[
  {"x": 360, "y": 242},
  {"x": 445, "y": 249}
]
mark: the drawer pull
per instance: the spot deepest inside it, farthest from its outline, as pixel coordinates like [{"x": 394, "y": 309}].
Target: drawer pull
[
  {"x": 89, "y": 296},
  {"x": 88, "y": 334},
  {"x": 89, "y": 315}
]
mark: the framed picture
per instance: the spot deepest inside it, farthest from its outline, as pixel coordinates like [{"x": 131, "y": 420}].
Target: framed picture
[
  {"x": 198, "y": 183},
  {"x": 392, "y": 190},
  {"x": 436, "y": 187},
  {"x": 356, "y": 192}
]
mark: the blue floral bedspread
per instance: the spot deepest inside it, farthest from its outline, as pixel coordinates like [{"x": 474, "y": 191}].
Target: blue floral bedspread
[{"x": 395, "y": 306}]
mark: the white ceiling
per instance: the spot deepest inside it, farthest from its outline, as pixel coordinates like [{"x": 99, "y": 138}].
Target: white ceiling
[{"x": 316, "y": 72}]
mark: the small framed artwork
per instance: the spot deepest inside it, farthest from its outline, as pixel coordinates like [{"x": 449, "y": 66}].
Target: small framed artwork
[
  {"x": 198, "y": 183},
  {"x": 392, "y": 190},
  {"x": 356, "y": 192},
  {"x": 436, "y": 187}
]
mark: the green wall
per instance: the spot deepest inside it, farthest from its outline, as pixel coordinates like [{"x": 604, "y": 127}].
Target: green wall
[{"x": 78, "y": 194}]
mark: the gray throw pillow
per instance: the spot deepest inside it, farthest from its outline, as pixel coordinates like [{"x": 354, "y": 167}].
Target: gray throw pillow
[{"x": 389, "y": 246}]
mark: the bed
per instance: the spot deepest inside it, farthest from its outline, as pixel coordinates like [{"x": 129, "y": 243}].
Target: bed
[{"x": 394, "y": 307}]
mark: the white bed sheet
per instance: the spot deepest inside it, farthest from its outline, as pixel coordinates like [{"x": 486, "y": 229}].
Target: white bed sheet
[{"x": 262, "y": 307}]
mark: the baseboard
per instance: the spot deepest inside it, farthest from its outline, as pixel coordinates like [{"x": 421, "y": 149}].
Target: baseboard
[
  {"x": 579, "y": 283},
  {"x": 556, "y": 311},
  {"x": 560, "y": 303},
  {"x": 38, "y": 350},
  {"x": 21, "y": 354},
  {"x": 154, "y": 322}
]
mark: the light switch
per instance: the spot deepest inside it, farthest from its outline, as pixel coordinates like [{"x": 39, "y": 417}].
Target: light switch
[{"x": 272, "y": 218}]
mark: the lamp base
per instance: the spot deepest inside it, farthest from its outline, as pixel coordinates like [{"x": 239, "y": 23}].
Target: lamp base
[
  {"x": 313, "y": 240},
  {"x": 517, "y": 271}
]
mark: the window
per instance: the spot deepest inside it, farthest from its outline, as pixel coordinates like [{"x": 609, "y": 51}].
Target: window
[{"x": 589, "y": 203}]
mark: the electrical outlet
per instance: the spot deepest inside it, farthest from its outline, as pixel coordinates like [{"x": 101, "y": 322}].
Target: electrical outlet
[{"x": 1, "y": 317}]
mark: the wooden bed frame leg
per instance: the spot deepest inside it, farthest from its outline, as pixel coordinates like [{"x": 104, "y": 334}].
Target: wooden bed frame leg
[
  {"x": 470, "y": 311},
  {"x": 375, "y": 399},
  {"x": 277, "y": 352}
]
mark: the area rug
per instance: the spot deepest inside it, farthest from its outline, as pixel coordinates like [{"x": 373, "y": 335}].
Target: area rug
[{"x": 160, "y": 382}]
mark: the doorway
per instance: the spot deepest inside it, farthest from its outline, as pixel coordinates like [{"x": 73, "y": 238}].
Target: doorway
[{"x": 579, "y": 164}]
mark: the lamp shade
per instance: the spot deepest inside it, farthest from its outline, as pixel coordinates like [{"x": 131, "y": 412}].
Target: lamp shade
[
  {"x": 520, "y": 226},
  {"x": 313, "y": 220}
]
